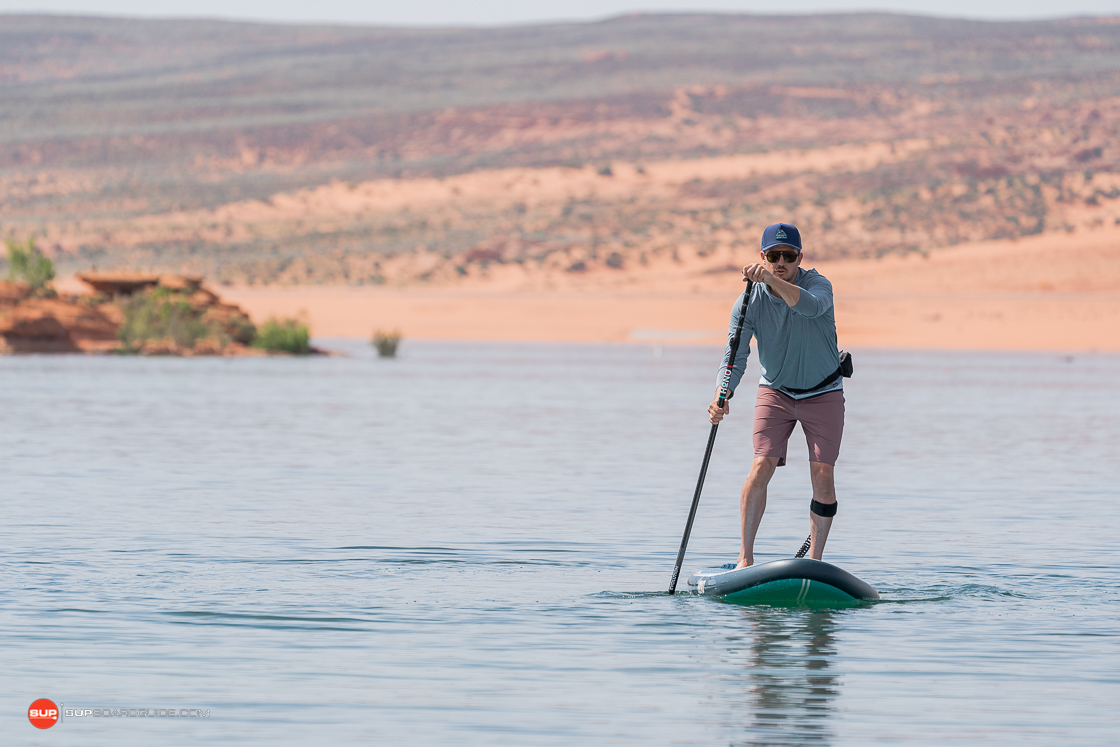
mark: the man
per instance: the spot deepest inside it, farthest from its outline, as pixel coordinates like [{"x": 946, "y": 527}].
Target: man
[{"x": 790, "y": 315}]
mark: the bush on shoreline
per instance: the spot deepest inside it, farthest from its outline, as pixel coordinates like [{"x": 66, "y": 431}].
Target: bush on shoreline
[
  {"x": 284, "y": 336},
  {"x": 161, "y": 315},
  {"x": 165, "y": 321},
  {"x": 27, "y": 263},
  {"x": 386, "y": 343}
]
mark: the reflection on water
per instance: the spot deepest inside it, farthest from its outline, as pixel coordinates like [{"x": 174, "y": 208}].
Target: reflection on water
[{"x": 788, "y": 688}]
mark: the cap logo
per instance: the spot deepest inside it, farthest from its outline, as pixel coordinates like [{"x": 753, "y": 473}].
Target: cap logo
[{"x": 780, "y": 234}]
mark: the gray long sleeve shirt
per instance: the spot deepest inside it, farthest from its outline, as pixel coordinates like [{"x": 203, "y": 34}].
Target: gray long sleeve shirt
[{"x": 796, "y": 345}]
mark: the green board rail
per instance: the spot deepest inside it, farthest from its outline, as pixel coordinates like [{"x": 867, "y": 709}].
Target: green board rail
[{"x": 795, "y": 582}]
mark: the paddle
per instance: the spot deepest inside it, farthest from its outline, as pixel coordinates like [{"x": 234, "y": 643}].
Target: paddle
[{"x": 724, "y": 394}]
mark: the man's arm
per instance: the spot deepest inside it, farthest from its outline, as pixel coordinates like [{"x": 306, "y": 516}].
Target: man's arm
[
  {"x": 788, "y": 292},
  {"x": 811, "y": 301}
]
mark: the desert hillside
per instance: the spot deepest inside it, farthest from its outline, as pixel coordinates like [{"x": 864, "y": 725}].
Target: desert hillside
[
  {"x": 959, "y": 180},
  {"x": 257, "y": 154}
]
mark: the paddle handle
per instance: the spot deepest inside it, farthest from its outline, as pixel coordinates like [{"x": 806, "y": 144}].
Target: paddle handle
[{"x": 696, "y": 497}]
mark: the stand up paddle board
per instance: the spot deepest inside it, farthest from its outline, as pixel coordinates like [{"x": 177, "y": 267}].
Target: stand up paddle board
[{"x": 795, "y": 582}]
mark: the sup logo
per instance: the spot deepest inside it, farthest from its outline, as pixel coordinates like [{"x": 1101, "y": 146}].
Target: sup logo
[
  {"x": 43, "y": 714},
  {"x": 781, "y": 234}
]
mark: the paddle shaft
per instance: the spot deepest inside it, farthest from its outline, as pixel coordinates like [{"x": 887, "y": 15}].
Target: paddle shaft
[
  {"x": 695, "y": 504},
  {"x": 724, "y": 394}
]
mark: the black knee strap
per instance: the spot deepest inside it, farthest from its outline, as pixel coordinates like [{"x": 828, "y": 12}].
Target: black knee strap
[{"x": 822, "y": 509}]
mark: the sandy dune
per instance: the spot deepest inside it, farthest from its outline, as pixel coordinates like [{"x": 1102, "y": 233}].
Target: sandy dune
[{"x": 1056, "y": 292}]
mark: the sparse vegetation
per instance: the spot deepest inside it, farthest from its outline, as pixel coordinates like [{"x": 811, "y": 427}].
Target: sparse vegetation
[
  {"x": 386, "y": 343},
  {"x": 163, "y": 316},
  {"x": 283, "y": 336},
  {"x": 28, "y": 264}
]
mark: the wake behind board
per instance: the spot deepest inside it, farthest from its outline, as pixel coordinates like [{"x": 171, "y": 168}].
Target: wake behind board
[{"x": 795, "y": 582}]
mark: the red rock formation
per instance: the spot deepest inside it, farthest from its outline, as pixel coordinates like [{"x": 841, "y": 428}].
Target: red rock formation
[
  {"x": 12, "y": 293},
  {"x": 33, "y": 322},
  {"x": 118, "y": 283},
  {"x": 51, "y": 325}
]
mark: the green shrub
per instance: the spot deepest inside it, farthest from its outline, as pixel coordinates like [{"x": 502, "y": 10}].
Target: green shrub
[
  {"x": 160, "y": 315},
  {"x": 27, "y": 263},
  {"x": 244, "y": 331},
  {"x": 283, "y": 335},
  {"x": 386, "y": 343}
]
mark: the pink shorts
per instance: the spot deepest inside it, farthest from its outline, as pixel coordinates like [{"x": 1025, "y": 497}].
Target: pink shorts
[{"x": 821, "y": 417}]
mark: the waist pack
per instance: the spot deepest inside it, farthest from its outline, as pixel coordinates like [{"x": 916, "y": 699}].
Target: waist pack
[{"x": 844, "y": 369}]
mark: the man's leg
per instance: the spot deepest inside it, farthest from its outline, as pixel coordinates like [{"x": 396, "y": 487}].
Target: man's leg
[
  {"x": 752, "y": 504},
  {"x": 822, "y": 419},
  {"x": 824, "y": 491}
]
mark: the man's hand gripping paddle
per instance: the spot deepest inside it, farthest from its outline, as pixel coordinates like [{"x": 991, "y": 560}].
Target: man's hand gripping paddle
[{"x": 724, "y": 394}]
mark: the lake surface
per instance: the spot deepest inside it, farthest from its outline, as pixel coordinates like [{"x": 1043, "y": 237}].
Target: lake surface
[{"x": 470, "y": 544}]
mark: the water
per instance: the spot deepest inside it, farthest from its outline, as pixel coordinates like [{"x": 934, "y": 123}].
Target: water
[{"x": 470, "y": 545}]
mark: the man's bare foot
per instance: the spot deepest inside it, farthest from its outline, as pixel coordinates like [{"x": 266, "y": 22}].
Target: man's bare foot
[{"x": 743, "y": 562}]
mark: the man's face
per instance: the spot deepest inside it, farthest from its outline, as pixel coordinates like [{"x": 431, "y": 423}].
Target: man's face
[{"x": 785, "y": 264}]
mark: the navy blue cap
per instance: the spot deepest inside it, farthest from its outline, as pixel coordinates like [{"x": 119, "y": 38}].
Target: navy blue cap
[{"x": 781, "y": 234}]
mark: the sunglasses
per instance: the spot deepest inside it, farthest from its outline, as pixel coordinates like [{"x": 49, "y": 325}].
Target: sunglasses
[{"x": 773, "y": 256}]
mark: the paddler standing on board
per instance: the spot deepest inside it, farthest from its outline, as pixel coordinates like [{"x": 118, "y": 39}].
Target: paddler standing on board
[{"x": 790, "y": 315}]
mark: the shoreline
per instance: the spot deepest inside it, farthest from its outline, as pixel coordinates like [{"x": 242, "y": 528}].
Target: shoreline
[
  {"x": 1052, "y": 292},
  {"x": 1057, "y": 322},
  {"x": 1057, "y": 292}
]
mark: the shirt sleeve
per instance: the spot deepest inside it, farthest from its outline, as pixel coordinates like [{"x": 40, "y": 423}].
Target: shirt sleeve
[
  {"x": 816, "y": 297},
  {"x": 739, "y": 365}
]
